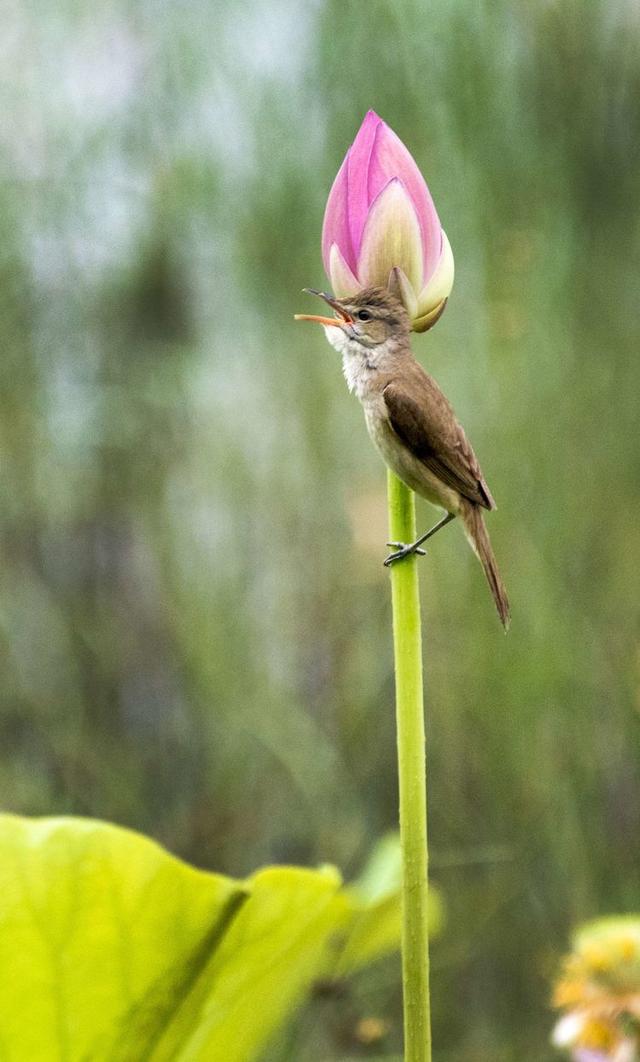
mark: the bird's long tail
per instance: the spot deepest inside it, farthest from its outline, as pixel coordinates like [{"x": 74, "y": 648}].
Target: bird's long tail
[{"x": 478, "y": 537}]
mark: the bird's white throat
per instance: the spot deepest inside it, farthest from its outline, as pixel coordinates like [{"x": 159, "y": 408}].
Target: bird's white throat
[
  {"x": 360, "y": 363},
  {"x": 339, "y": 338}
]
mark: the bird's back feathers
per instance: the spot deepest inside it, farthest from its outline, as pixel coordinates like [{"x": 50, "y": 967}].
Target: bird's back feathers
[{"x": 424, "y": 420}]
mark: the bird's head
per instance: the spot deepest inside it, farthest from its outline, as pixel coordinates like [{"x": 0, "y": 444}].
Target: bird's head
[{"x": 368, "y": 319}]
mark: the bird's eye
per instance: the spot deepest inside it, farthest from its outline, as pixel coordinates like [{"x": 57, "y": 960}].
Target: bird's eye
[{"x": 363, "y": 315}]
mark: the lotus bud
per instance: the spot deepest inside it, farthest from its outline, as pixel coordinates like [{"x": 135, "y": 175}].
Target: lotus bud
[{"x": 381, "y": 227}]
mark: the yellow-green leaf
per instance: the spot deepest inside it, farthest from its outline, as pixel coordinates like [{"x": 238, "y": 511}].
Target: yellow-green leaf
[{"x": 112, "y": 949}]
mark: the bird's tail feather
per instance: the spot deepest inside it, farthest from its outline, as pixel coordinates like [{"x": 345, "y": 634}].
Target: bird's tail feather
[{"x": 478, "y": 537}]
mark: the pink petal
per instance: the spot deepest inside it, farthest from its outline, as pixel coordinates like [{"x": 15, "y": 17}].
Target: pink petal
[
  {"x": 359, "y": 159},
  {"x": 335, "y": 227},
  {"x": 390, "y": 158},
  {"x": 343, "y": 282}
]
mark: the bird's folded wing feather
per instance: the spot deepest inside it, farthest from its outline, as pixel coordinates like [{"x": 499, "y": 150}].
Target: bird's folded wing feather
[{"x": 422, "y": 417}]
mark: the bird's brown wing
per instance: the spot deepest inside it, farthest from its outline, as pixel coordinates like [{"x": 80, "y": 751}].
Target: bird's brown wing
[{"x": 422, "y": 417}]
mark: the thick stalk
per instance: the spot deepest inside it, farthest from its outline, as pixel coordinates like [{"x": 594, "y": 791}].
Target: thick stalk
[{"x": 407, "y": 644}]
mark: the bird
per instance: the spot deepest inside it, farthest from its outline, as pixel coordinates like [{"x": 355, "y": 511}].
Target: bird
[{"x": 410, "y": 421}]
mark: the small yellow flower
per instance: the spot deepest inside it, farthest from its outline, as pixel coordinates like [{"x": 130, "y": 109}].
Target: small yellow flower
[
  {"x": 629, "y": 948},
  {"x": 598, "y": 992},
  {"x": 598, "y": 958},
  {"x": 598, "y": 1035}
]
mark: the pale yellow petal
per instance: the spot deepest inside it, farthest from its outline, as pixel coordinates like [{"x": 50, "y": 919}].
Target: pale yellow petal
[
  {"x": 391, "y": 238},
  {"x": 440, "y": 284},
  {"x": 400, "y": 287},
  {"x": 427, "y": 320}
]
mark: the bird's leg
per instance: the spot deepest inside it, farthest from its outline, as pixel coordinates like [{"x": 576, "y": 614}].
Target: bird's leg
[{"x": 413, "y": 547}]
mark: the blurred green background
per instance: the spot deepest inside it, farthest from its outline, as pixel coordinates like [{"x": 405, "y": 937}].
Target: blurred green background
[{"x": 194, "y": 616}]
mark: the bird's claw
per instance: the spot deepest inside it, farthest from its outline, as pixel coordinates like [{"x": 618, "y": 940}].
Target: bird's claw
[{"x": 402, "y": 551}]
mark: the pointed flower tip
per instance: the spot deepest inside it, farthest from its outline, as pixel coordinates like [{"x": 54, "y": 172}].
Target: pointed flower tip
[{"x": 368, "y": 127}]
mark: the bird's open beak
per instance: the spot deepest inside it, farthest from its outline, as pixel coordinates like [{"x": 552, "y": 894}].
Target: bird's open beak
[{"x": 343, "y": 317}]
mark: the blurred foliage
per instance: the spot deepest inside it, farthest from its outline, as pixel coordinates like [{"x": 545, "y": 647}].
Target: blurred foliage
[
  {"x": 194, "y": 617},
  {"x": 118, "y": 950}
]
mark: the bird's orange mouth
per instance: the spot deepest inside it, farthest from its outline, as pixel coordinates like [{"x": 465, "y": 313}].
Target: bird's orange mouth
[
  {"x": 342, "y": 317},
  {"x": 339, "y": 321}
]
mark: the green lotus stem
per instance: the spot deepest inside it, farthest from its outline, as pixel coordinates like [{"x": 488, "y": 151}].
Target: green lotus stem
[{"x": 407, "y": 645}]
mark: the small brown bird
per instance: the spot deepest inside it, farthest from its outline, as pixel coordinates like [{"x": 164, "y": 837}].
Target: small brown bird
[{"x": 410, "y": 421}]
